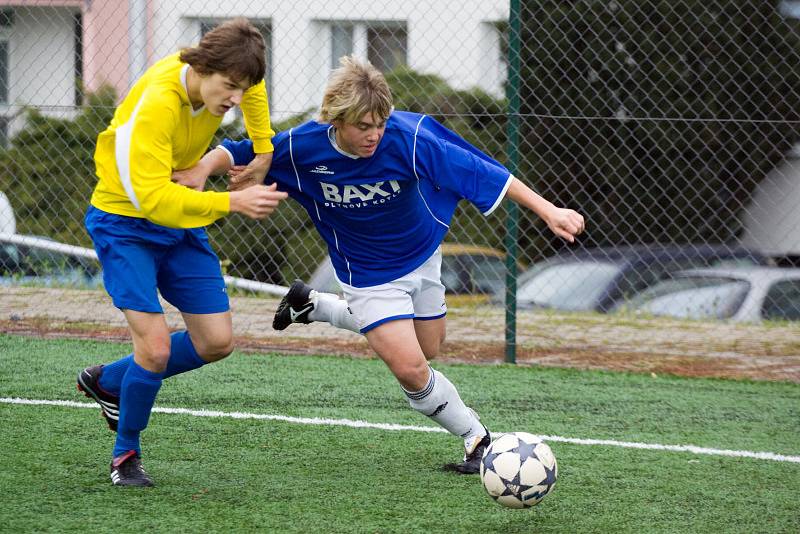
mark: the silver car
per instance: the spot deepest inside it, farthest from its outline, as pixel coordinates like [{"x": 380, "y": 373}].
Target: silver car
[{"x": 741, "y": 294}]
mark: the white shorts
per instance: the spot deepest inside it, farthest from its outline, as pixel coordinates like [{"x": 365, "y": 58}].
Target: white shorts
[{"x": 418, "y": 295}]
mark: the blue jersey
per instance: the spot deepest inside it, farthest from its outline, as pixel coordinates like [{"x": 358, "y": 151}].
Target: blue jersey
[{"x": 381, "y": 216}]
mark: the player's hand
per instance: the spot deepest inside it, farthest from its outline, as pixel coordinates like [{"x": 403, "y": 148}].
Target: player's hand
[
  {"x": 253, "y": 173},
  {"x": 193, "y": 177},
  {"x": 257, "y": 201},
  {"x": 237, "y": 182},
  {"x": 565, "y": 223}
]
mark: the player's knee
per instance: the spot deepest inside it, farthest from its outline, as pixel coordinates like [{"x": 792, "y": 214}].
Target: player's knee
[
  {"x": 215, "y": 347},
  {"x": 413, "y": 376},
  {"x": 154, "y": 355}
]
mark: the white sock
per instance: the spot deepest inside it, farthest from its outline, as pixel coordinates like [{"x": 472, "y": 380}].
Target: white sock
[
  {"x": 440, "y": 401},
  {"x": 329, "y": 308}
]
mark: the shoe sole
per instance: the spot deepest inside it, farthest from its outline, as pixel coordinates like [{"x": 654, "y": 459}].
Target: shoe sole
[
  {"x": 111, "y": 420},
  {"x": 148, "y": 484},
  {"x": 292, "y": 299}
]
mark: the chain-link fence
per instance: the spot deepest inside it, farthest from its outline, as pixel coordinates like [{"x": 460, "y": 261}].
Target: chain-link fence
[{"x": 671, "y": 125}]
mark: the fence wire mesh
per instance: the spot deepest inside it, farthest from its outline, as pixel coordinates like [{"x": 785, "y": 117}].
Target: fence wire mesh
[{"x": 671, "y": 125}]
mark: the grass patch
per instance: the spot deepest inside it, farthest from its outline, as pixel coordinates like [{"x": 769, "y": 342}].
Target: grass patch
[{"x": 227, "y": 475}]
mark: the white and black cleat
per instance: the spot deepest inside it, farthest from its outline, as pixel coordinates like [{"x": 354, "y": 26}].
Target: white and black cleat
[
  {"x": 127, "y": 470},
  {"x": 294, "y": 307},
  {"x": 473, "y": 453},
  {"x": 89, "y": 385}
]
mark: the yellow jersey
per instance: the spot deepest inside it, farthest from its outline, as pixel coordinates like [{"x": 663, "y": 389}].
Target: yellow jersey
[{"x": 154, "y": 132}]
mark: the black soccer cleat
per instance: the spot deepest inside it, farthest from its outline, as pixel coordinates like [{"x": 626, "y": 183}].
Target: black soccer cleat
[
  {"x": 294, "y": 307},
  {"x": 127, "y": 470},
  {"x": 472, "y": 457},
  {"x": 89, "y": 384}
]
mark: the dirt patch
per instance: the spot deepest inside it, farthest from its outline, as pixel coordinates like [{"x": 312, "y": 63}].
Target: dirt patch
[{"x": 475, "y": 334}]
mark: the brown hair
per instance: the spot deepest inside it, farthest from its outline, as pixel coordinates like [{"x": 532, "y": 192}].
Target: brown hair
[
  {"x": 354, "y": 89},
  {"x": 234, "y": 48}
]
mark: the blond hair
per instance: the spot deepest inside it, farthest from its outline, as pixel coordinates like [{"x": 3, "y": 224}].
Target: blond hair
[{"x": 355, "y": 89}]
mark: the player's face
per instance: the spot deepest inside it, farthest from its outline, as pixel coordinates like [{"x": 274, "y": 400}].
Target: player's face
[
  {"x": 360, "y": 139},
  {"x": 220, "y": 93}
]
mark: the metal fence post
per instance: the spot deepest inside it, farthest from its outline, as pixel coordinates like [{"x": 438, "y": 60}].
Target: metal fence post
[{"x": 512, "y": 217}]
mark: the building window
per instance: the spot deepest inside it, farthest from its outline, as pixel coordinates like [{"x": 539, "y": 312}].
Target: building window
[
  {"x": 266, "y": 32},
  {"x": 78, "y": 57},
  {"x": 4, "y": 140},
  {"x": 341, "y": 42},
  {"x": 6, "y": 18},
  {"x": 4, "y": 71},
  {"x": 6, "y": 22},
  {"x": 387, "y": 47},
  {"x": 384, "y": 44}
]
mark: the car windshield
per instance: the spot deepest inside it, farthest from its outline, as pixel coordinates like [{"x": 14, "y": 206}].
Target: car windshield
[
  {"x": 568, "y": 286},
  {"x": 692, "y": 298},
  {"x": 782, "y": 301}
]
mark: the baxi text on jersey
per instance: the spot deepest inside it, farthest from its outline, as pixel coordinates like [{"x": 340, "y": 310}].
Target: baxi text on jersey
[{"x": 356, "y": 196}]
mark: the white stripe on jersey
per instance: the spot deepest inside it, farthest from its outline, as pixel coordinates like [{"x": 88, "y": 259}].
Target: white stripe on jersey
[
  {"x": 414, "y": 166},
  {"x": 349, "y": 272},
  {"x": 122, "y": 154},
  {"x": 291, "y": 156},
  {"x": 501, "y": 196}
]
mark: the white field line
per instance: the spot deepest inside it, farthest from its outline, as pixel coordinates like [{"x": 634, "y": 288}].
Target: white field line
[{"x": 388, "y": 426}]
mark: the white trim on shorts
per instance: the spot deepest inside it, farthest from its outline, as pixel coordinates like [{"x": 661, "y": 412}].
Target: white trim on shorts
[{"x": 418, "y": 295}]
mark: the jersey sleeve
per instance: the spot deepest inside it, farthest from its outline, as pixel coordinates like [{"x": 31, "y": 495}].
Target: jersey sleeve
[
  {"x": 242, "y": 152},
  {"x": 144, "y": 158},
  {"x": 451, "y": 163},
  {"x": 255, "y": 109}
]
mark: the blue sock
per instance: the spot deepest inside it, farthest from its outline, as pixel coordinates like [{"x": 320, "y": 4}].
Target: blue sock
[
  {"x": 138, "y": 394},
  {"x": 111, "y": 377},
  {"x": 182, "y": 357}
]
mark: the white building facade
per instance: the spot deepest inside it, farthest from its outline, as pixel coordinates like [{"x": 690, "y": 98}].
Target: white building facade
[
  {"x": 51, "y": 49},
  {"x": 459, "y": 41},
  {"x": 38, "y": 62}
]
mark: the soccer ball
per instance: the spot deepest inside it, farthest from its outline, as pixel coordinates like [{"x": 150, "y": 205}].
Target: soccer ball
[{"x": 518, "y": 470}]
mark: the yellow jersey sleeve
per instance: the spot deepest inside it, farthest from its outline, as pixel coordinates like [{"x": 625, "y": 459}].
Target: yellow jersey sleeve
[{"x": 255, "y": 109}]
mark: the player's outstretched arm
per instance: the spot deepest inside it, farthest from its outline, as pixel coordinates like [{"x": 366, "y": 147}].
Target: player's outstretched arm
[{"x": 565, "y": 223}]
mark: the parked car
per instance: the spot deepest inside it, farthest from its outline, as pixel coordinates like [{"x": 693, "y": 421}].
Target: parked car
[
  {"x": 466, "y": 269},
  {"x": 28, "y": 265},
  {"x": 748, "y": 294},
  {"x": 596, "y": 279}
]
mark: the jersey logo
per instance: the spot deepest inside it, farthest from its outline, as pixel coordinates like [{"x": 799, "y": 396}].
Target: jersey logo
[
  {"x": 321, "y": 169},
  {"x": 359, "y": 195}
]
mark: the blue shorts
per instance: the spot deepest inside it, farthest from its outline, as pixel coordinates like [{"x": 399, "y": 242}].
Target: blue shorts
[{"x": 141, "y": 258}]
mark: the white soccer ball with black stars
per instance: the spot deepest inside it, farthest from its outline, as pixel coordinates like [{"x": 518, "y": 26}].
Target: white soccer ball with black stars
[{"x": 518, "y": 470}]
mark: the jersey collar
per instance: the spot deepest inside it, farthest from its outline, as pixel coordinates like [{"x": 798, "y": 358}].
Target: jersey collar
[
  {"x": 195, "y": 112},
  {"x": 332, "y": 139}
]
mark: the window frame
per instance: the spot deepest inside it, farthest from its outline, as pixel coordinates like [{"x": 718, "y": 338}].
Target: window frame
[{"x": 360, "y": 35}]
